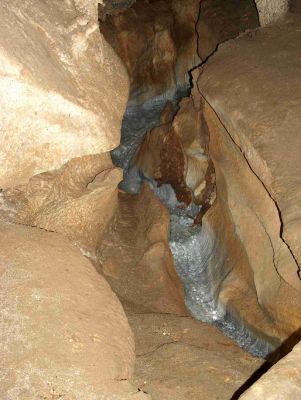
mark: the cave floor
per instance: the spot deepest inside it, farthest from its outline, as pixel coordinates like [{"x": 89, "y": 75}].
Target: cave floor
[{"x": 179, "y": 358}]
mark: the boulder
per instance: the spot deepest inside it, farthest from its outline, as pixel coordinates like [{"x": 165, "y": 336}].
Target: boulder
[
  {"x": 63, "y": 332},
  {"x": 63, "y": 88}
]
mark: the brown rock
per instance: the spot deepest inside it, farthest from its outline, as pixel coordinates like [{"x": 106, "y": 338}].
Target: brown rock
[
  {"x": 176, "y": 153},
  {"x": 135, "y": 257},
  {"x": 223, "y": 20},
  {"x": 57, "y": 79},
  {"x": 157, "y": 42},
  {"x": 63, "y": 331},
  {"x": 183, "y": 359},
  {"x": 253, "y": 115},
  {"x": 281, "y": 382},
  {"x": 78, "y": 200}
]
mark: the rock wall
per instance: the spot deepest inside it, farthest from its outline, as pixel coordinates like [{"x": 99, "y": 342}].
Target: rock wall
[
  {"x": 135, "y": 258},
  {"x": 254, "y": 144},
  {"x": 220, "y": 21},
  {"x": 271, "y": 10},
  {"x": 58, "y": 76},
  {"x": 63, "y": 331},
  {"x": 282, "y": 381},
  {"x": 78, "y": 200},
  {"x": 157, "y": 42}
]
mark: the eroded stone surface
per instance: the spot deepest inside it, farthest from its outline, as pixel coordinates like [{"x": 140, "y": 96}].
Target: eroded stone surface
[
  {"x": 253, "y": 85},
  {"x": 157, "y": 42},
  {"x": 270, "y": 11},
  {"x": 77, "y": 200},
  {"x": 184, "y": 359},
  {"x": 63, "y": 87},
  {"x": 176, "y": 153},
  {"x": 223, "y": 20},
  {"x": 63, "y": 331},
  {"x": 282, "y": 381},
  {"x": 135, "y": 257}
]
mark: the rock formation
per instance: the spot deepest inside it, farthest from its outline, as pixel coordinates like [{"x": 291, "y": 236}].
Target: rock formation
[
  {"x": 206, "y": 219},
  {"x": 78, "y": 200},
  {"x": 135, "y": 257},
  {"x": 254, "y": 146},
  {"x": 54, "y": 341},
  {"x": 282, "y": 381},
  {"x": 59, "y": 75}
]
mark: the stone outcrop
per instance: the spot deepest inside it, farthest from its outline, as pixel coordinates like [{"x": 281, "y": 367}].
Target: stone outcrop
[
  {"x": 176, "y": 153},
  {"x": 282, "y": 381},
  {"x": 63, "y": 331},
  {"x": 223, "y": 20},
  {"x": 157, "y": 42},
  {"x": 184, "y": 359},
  {"x": 160, "y": 42},
  {"x": 63, "y": 87},
  {"x": 135, "y": 258},
  {"x": 252, "y": 89},
  {"x": 78, "y": 200},
  {"x": 270, "y": 11}
]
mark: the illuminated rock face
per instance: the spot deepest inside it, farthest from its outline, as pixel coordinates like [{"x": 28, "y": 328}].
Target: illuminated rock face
[
  {"x": 270, "y": 11},
  {"x": 58, "y": 77},
  {"x": 255, "y": 220},
  {"x": 63, "y": 331},
  {"x": 282, "y": 381}
]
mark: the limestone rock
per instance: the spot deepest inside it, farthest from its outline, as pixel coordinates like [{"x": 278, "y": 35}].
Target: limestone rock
[
  {"x": 252, "y": 88},
  {"x": 157, "y": 42},
  {"x": 176, "y": 153},
  {"x": 135, "y": 257},
  {"x": 223, "y": 20},
  {"x": 282, "y": 381},
  {"x": 184, "y": 359},
  {"x": 63, "y": 88},
  {"x": 63, "y": 331},
  {"x": 270, "y": 11},
  {"x": 77, "y": 200}
]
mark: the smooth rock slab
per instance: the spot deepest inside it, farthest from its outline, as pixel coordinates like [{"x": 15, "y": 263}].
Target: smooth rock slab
[
  {"x": 252, "y": 89},
  {"x": 63, "y": 332},
  {"x": 281, "y": 382}
]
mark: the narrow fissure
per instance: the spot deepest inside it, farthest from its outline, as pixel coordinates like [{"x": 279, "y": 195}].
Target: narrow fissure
[{"x": 142, "y": 254}]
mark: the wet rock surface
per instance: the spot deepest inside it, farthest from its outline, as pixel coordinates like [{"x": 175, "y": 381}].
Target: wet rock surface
[
  {"x": 253, "y": 117},
  {"x": 157, "y": 42}
]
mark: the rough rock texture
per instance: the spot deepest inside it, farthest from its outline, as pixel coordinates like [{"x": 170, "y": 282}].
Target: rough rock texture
[
  {"x": 295, "y": 6},
  {"x": 78, "y": 200},
  {"x": 282, "y": 381},
  {"x": 63, "y": 87},
  {"x": 271, "y": 10},
  {"x": 253, "y": 84},
  {"x": 135, "y": 257},
  {"x": 223, "y": 20},
  {"x": 184, "y": 359},
  {"x": 157, "y": 42},
  {"x": 63, "y": 331},
  {"x": 176, "y": 153}
]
